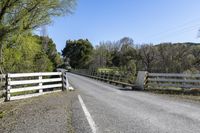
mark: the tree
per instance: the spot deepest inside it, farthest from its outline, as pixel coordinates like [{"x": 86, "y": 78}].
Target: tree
[
  {"x": 103, "y": 54},
  {"x": 20, "y": 57},
  {"x": 79, "y": 53},
  {"x": 21, "y": 16},
  {"x": 50, "y": 50},
  {"x": 147, "y": 55}
]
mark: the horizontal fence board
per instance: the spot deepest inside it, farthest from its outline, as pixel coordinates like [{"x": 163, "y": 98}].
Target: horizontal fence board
[
  {"x": 173, "y": 75},
  {"x": 173, "y": 80},
  {"x": 17, "y": 75},
  {"x": 31, "y": 95},
  {"x": 35, "y": 88},
  {"x": 21, "y": 82}
]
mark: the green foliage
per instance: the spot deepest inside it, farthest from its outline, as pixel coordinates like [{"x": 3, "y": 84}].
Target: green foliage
[
  {"x": 79, "y": 53},
  {"x": 164, "y": 58},
  {"x": 19, "y": 18},
  {"x": 26, "y": 54},
  {"x": 49, "y": 47}
]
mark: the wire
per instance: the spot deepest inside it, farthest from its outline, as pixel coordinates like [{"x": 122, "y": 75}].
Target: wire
[{"x": 175, "y": 29}]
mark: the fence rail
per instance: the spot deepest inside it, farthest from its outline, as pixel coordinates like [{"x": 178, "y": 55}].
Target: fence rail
[
  {"x": 173, "y": 80},
  {"x": 25, "y": 85}
]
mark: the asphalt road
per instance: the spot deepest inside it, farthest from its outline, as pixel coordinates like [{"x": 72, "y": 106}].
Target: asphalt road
[{"x": 116, "y": 111}]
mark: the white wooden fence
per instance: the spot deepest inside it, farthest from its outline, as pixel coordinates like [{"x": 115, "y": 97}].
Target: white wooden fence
[
  {"x": 173, "y": 80},
  {"x": 25, "y": 85}
]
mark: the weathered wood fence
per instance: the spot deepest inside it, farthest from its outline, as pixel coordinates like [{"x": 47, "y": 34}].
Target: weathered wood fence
[
  {"x": 184, "y": 81},
  {"x": 25, "y": 85}
]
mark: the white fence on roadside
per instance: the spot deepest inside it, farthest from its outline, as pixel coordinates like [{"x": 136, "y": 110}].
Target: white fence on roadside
[{"x": 25, "y": 85}]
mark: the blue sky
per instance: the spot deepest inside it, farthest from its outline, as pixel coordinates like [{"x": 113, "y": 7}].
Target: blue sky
[{"x": 145, "y": 21}]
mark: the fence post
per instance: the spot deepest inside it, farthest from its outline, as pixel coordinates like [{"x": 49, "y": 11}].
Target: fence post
[
  {"x": 141, "y": 79},
  {"x": 40, "y": 84},
  {"x": 65, "y": 81},
  {"x": 8, "y": 87}
]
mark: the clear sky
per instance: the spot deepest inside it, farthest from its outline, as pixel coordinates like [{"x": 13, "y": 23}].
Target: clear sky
[{"x": 145, "y": 21}]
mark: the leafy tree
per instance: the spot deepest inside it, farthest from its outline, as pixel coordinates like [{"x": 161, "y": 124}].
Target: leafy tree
[
  {"x": 20, "y": 57},
  {"x": 50, "y": 50},
  {"x": 79, "y": 52},
  {"x": 21, "y": 16},
  {"x": 147, "y": 54}
]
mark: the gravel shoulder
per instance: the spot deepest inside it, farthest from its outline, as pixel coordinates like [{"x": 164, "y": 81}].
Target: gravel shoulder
[{"x": 50, "y": 113}]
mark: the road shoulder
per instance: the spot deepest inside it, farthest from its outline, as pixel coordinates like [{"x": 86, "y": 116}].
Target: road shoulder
[{"x": 49, "y": 113}]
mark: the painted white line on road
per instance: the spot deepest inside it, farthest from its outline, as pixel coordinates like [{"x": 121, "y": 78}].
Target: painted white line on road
[{"x": 87, "y": 114}]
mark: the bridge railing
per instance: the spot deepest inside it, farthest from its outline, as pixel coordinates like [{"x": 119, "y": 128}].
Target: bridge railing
[
  {"x": 173, "y": 80},
  {"x": 146, "y": 81},
  {"x": 104, "y": 76},
  {"x": 25, "y": 85}
]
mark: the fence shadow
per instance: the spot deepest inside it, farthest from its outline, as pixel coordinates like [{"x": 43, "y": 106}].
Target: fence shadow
[{"x": 129, "y": 89}]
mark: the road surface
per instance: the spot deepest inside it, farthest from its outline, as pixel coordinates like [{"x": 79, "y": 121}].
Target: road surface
[{"x": 109, "y": 109}]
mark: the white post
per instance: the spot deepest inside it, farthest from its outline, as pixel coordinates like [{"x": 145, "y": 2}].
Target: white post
[
  {"x": 40, "y": 84},
  {"x": 141, "y": 79},
  {"x": 67, "y": 82},
  {"x": 8, "y": 80}
]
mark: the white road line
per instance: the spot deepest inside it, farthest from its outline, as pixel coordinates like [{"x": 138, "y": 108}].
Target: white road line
[{"x": 87, "y": 114}]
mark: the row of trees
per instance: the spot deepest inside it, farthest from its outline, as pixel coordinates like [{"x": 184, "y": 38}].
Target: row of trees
[
  {"x": 125, "y": 56},
  {"x": 19, "y": 49}
]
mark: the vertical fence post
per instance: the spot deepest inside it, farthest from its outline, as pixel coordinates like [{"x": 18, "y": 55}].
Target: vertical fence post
[
  {"x": 40, "y": 84},
  {"x": 65, "y": 81},
  {"x": 8, "y": 87}
]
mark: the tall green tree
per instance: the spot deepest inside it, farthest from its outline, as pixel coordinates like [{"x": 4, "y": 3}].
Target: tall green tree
[
  {"x": 20, "y": 57},
  {"x": 20, "y": 16},
  {"x": 79, "y": 52},
  {"x": 50, "y": 50}
]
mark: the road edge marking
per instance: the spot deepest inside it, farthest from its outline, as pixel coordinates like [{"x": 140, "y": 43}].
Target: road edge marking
[{"x": 87, "y": 115}]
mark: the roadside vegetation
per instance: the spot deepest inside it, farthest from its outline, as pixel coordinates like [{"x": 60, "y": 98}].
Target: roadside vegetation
[
  {"x": 126, "y": 58},
  {"x": 20, "y": 49}
]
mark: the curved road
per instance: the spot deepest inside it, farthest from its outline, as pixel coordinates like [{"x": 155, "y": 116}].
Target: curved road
[{"x": 116, "y": 111}]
